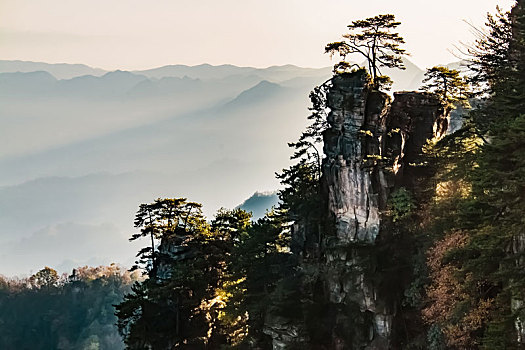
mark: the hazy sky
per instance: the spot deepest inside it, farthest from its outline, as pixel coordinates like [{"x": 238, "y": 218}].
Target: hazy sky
[{"x": 136, "y": 34}]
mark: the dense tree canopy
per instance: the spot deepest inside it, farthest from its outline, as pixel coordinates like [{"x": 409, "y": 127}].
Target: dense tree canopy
[
  {"x": 69, "y": 312},
  {"x": 477, "y": 284},
  {"x": 209, "y": 282}
]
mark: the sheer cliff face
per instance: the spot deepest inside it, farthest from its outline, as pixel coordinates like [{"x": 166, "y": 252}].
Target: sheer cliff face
[
  {"x": 371, "y": 147},
  {"x": 351, "y": 148}
]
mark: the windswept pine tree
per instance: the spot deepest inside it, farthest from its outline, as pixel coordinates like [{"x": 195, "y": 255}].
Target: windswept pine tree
[{"x": 372, "y": 39}]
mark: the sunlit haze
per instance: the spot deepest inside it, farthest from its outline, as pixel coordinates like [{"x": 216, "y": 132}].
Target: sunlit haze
[{"x": 136, "y": 34}]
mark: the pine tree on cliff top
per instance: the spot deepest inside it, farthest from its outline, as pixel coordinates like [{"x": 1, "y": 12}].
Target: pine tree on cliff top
[
  {"x": 371, "y": 38},
  {"x": 448, "y": 84}
]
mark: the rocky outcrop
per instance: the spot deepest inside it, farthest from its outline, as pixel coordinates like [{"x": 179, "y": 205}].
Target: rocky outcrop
[
  {"x": 352, "y": 147},
  {"x": 372, "y": 146}
]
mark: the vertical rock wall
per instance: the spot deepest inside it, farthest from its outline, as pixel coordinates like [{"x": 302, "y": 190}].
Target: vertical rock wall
[
  {"x": 352, "y": 147},
  {"x": 356, "y": 190},
  {"x": 372, "y": 146}
]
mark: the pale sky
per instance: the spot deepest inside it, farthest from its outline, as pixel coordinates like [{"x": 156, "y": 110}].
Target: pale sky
[{"x": 139, "y": 34}]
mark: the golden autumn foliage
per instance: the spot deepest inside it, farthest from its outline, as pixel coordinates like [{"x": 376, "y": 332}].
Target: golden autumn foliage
[{"x": 446, "y": 295}]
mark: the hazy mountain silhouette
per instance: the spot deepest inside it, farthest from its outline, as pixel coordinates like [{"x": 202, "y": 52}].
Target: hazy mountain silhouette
[
  {"x": 58, "y": 70},
  {"x": 29, "y": 83},
  {"x": 260, "y": 203},
  {"x": 202, "y": 71},
  {"x": 263, "y": 90},
  {"x": 110, "y": 85},
  {"x": 206, "y": 71}
]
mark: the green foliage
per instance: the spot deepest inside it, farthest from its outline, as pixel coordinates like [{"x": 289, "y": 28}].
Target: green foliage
[
  {"x": 210, "y": 282},
  {"x": 499, "y": 63},
  {"x": 68, "y": 312},
  {"x": 302, "y": 184},
  {"x": 435, "y": 338},
  {"x": 448, "y": 84},
  {"x": 307, "y": 147},
  {"x": 301, "y": 202},
  {"x": 486, "y": 162},
  {"x": 45, "y": 278},
  {"x": 372, "y": 39},
  {"x": 491, "y": 60},
  {"x": 163, "y": 218},
  {"x": 174, "y": 305},
  {"x": 401, "y": 204},
  {"x": 259, "y": 262}
]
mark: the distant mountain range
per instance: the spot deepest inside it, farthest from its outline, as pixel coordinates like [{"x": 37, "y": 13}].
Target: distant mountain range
[
  {"x": 81, "y": 148},
  {"x": 58, "y": 70},
  {"x": 408, "y": 79}
]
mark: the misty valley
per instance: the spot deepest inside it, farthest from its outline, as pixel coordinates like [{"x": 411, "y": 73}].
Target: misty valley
[{"x": 371, "y": 205}]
